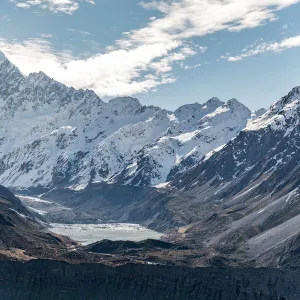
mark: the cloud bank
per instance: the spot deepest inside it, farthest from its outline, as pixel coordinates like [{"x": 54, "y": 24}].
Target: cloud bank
[
  {"x": 56, "y": 6},
  {"x": 261, "y": 48},
  {"x": 144, "y": 58}
]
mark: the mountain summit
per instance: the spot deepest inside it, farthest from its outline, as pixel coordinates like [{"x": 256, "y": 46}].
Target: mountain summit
[{"x": 2, "y": 57}]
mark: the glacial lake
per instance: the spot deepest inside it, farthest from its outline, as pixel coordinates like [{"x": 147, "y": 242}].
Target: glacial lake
[{"x": 91, "y": 233}]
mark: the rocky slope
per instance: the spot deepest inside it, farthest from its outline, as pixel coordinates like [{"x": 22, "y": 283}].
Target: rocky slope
[
  {"x": 56, "y": 280},
  {"x": 52, "y": 135},
  {"x": 128, "y": 270},
  {"x": 22, "y": 235},
  {"x": 241, "y": 201},
  {"x": 245, "y": 197},
  {"x": 234, "y": 186}
]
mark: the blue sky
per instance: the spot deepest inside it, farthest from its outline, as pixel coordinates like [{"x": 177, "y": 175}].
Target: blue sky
[{"x": 166, "y": 53}]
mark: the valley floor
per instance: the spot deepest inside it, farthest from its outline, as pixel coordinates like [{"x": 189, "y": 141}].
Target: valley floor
[{"x": 91, "y": 233}]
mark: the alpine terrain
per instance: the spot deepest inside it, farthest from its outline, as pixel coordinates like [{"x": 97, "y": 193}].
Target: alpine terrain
[
  {"x": 53, "y": 135},
  {"x": 218, "y": 183}
]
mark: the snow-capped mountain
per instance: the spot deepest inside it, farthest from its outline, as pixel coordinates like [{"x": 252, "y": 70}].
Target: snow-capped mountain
[
  {"x": 248, "y": 191},
  {"x": 234, "y": 175},
  {"x": 52, "y": 134},
  {"x": 186, "y": 142},
  {"x": 265, "y": 145}
]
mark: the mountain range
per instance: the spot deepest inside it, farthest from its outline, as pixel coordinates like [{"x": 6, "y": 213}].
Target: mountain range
[
  {"x": 215, "y": 176},
  {"x": 53, "y": 135}
]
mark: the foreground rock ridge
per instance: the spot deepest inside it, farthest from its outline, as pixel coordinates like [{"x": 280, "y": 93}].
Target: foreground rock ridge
[{"x": 51, "y": 280}]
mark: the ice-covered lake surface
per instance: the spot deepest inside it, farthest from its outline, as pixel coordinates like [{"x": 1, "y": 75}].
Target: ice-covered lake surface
[{"x": 91, "y": 233}]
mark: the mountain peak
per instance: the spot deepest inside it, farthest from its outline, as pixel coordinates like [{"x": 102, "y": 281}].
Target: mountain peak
[
  {"x": 2, "y": 57},
  {"x": 214, "y": 101},
  {"x": 258, "y": 113},
  {"x": 293, "y": 95},
  {"x": 283, "y": 114},
  {"x": 197, "y": 110},
  {"x": 124, "y": 105},
  {"x": 235, "y": 104},
  {"x": 6, "y": 65},
  {"x": 125, "y": 100},
  {"x": 38, "y": 76}
]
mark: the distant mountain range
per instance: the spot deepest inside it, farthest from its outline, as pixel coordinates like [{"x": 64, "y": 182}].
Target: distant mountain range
[{"x": 52, "y": 135}]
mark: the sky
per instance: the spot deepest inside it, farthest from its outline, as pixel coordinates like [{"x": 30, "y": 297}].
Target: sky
[{"x": 166, "y": 53}]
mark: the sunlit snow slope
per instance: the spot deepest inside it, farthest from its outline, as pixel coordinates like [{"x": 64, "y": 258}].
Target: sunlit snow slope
[{"x": 51, "y": 134}]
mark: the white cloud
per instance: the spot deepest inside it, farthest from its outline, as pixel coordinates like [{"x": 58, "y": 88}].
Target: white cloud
[
  {"x": 143, "y": 58},
  {"x": 83, "y": 32},
  {"x": 202, "y": 49},
  {"x": 184, "y": 19},
  {"x": 186, "y": 67},
  {"x": 5, "y": 18},
  {"x": 257, "y": 49},
  {"x": 115, "y": 73},
  {"x": 235, "y": 58},
  {"x": 22, "y": 5},
  {"x": 46, "y": 35},
  {"x": 164, "y": 65},
  {"x": 56, "y": 6}
]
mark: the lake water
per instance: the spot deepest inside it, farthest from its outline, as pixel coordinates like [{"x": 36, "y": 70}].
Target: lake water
[{"x": 91, "y": 233}]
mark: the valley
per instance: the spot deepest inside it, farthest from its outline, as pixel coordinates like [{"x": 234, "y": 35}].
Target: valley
[
  {"x": 87, "y": 232},
  {"x": 136, "y": 191}
]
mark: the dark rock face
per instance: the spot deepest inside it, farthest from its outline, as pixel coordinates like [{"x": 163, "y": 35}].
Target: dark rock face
[
  {"x": 49, "y": 280},
  {"x": 12, "y": 201},
  {"x": 21, "y": 231},
  {"x": 121, "y": 247}
]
